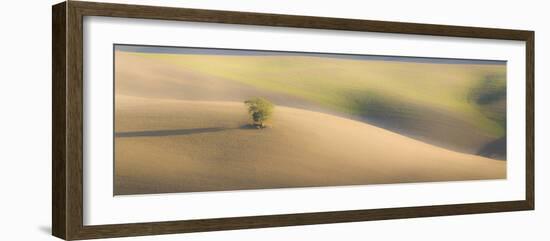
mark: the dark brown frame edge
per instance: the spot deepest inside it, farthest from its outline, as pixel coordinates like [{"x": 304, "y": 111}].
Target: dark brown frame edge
[{"x": 67, "y": 123}]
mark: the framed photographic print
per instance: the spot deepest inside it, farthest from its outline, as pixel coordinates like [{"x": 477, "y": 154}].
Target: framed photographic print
[{"x": 171, "y": 120}]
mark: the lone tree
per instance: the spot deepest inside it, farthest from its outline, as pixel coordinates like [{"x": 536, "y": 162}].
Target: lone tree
[{"x": 260, "y": 110}]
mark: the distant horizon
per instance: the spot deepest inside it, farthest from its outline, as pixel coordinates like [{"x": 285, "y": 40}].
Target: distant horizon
[{"x": 245, "y": 52}]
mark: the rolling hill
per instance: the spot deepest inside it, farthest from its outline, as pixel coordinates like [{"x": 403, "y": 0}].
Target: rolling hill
[
  {"x": 461, "y": 107},
  {"x": 174, "y": 145}
]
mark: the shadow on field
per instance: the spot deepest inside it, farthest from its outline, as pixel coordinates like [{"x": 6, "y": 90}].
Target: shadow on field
[
  {"x": 179, "y": 132},
  {"x": 175, "y": 132}
]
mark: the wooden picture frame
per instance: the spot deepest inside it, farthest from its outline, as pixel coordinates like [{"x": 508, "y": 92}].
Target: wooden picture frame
[{"x": 67, "y": 150}]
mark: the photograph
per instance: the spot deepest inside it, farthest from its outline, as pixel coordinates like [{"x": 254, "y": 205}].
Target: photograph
[{"x": 204, "y": 119}]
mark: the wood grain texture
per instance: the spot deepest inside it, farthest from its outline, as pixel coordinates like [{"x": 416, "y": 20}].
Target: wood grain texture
[
  {"x": 58, "y": 121},
  {"x": 74, "y": 130},
  {"x": 530, "y": 120},
  {"x": 67, "y": 163}
]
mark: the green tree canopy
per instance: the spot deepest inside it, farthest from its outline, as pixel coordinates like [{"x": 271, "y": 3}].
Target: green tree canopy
[{"x": 260, "y": 109}]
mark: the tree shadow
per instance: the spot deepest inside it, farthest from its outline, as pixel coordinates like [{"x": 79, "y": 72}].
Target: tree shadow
[
  {"x": 173, "y": 132},
  {"x": 248, "y": 127}
]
